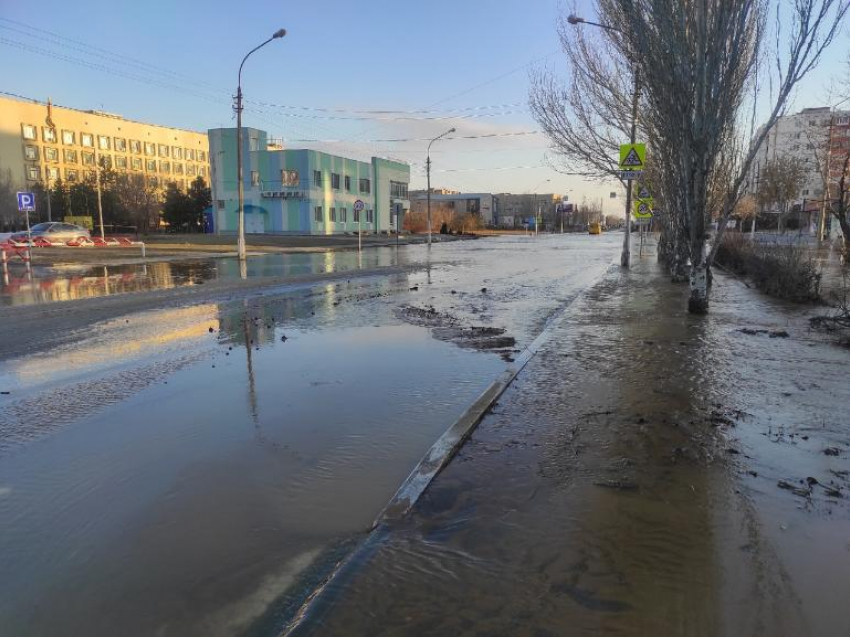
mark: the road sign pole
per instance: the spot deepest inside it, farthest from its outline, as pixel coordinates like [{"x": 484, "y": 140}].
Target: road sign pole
[{"x": 625, "y": 258}]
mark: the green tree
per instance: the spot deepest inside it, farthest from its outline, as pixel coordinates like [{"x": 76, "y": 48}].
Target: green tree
[
  {"x": 82, "y": 199},
  {"x": 178, "y": 209},
  {"x": 59, "y": 200},
  {"x": 201, "y": 196}
]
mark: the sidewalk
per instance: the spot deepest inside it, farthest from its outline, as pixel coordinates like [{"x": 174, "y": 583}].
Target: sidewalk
[{"x": 648, "y": 473}]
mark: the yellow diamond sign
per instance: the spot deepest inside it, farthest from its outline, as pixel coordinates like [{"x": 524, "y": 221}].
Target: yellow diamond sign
[{"x": 632, "y": 157}]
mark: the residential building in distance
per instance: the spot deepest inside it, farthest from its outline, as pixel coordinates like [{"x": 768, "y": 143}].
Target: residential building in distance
[
  {"x": 41, "y": 142},
  {"x": 481, "y": 204},
  {"x": 301, "y": 191},
  {"x": 816, "y": 137}
]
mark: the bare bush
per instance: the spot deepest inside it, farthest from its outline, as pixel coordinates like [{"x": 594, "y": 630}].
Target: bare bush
[{"x": 780, "y": 270}]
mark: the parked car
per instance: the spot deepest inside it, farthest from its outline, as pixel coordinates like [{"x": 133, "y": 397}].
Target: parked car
[{"x": 55, "y": 232}]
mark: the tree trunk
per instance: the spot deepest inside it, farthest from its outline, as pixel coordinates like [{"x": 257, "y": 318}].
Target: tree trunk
[{"x": 698, "y": 300}]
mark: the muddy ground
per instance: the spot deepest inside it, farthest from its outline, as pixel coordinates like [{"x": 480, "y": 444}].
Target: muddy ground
[{"x": 648, "y": 473}]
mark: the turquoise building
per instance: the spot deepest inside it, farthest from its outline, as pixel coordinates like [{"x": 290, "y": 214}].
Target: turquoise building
[{"x": 302, "y": 191}]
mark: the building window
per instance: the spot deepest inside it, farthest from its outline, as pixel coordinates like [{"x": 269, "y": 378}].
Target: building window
[
  {"x": 178, "y": 169},
  {"x": 202, "y": 171},
  {"x": 356, "y": 216},
  {"x": 51, "y": 154},
  {"x": 348, "y": 183},
  {"x": 255, "y": 178},
  {"x": 136, "y": 146},
  {"x": 87, "y": 140},
  {"x": 28, "y": 131},
  {"x": 335, "y": 181},
  {"x": 317, "y": 178},
  {"x": 220, "y": 203},
  {"x": 89, "y": 175},
  {"x": 176, "y": 152},
  {"x": 69, "y": 137},
  {"x": 843, "y": 121},
  {"x": 343, "y": 215},
  {"x": 370, "y": 216},
  {"x": 88, "y": 158},
  {"x": 165, "y": 167},
  {"x": 289, "y": 178},
  {"x": 136, "y": 163},
  {"x": 52, "y": 173},
  {"x": 333, "y": 214},
  {"x": 120, "y": 145},
  {"x": 398, "y": 190},
  {"x": 150, "y": 165},
  {"x": 365, "y": 186},
  {"x": 70, "y": 156},
  {"x": 202, "y": 155},
  {"x": 191, "y": 170},
  {"x": 190, "y": 154},
  {"x": 153, "y": 182},
  {"x": 105, "y": 161},
  {"x": 33, "y": 173},
  {"x": 806, "y": 192},
  {"x": 71, "y": 174},
  {"x": 48, "y": 134},
  {"x": 317, "y": 214},
  {"x": 31, "y": 153},
  {"x": 121, "y": 162},
  {"x": 163, "y": 150},
  {"x": 150, "y": 149},
  {"x": 103, "y": 142}
]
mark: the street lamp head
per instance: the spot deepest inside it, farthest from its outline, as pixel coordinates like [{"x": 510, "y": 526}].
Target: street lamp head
[
  {"x": 279, "y": 34},
  {"x": 574, "y": 19}
]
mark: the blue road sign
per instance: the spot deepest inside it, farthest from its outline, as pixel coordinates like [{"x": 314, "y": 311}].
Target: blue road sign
[
  {"x": 26, "y": 202},
  {"x": 359, "y": 205}
]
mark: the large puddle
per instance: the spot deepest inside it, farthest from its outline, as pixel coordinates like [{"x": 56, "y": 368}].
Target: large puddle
[{"x": 178, "y": 471}]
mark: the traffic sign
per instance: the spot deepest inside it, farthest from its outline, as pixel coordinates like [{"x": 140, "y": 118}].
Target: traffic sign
[
  {"x": 642, "y": 209},
  {"x": 26, "y": 202},
  {"x": 632, "y": 156},
  {"x": 359, "y": 205},
  {"x": 642, "y": 192},
  {"x": 626, "y": 175}
]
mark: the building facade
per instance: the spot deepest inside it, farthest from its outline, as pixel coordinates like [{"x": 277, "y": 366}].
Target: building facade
[
  {"x": 819, "y": 138},
  {"x": 523, "y": 209},
  {"x": 41, "y": 143},
  {"x": 481, "y": 204},
  {"x": 300, "y": 191}
]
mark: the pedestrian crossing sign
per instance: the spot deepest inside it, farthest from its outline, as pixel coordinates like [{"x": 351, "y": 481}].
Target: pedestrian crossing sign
[{"x": 632, "y": 157}]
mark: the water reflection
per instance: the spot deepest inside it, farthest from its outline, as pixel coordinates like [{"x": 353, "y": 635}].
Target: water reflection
[{"x": 50, "y": 284}]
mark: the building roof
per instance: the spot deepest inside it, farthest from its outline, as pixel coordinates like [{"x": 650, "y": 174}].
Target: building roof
[{"x": 21, "y": 98}]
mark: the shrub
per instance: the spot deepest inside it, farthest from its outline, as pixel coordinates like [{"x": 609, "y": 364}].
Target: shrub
[{"x": 783, "y": 271}]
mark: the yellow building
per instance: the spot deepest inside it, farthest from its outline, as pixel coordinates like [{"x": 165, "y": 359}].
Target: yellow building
[{"x": 40, "y": 143}]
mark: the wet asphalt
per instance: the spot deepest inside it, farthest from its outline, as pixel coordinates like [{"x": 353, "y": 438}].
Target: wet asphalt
[
  {"x": 198, "y": 466},
  {"x": 648, "y": 473}
]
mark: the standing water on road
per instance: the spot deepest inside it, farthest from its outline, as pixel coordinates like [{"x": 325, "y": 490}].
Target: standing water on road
[{"x": 193, "y": 470}]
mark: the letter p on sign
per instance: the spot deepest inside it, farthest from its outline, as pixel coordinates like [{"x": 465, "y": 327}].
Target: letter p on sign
[{"x": 26, "y": 202}]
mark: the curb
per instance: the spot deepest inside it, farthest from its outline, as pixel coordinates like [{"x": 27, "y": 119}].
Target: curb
[{"x": 438, "y": 456}]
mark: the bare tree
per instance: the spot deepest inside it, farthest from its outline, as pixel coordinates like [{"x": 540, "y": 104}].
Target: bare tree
[
  {"x": 697, "y": 58},
  {"x": 9, "y": 215},
  {"x": 780, "y": 182}
]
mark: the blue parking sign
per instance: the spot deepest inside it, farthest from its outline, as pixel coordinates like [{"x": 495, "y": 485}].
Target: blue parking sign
[{"x": 26, "y": 202}]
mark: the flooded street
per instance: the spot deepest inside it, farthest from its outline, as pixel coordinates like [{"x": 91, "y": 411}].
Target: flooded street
[
  {"x": 649, "y": 472},
  {"x": 195, "y": 466}
]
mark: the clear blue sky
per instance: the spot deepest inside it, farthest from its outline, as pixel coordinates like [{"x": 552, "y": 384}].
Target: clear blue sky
[{"x": 447, "y": 57}]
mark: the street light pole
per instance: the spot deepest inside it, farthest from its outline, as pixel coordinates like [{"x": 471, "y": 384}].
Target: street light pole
[
  {"x": 240, "y": 242},
  {"x": 625, "y": 258},
  {"x": 428, "y": 178}
]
